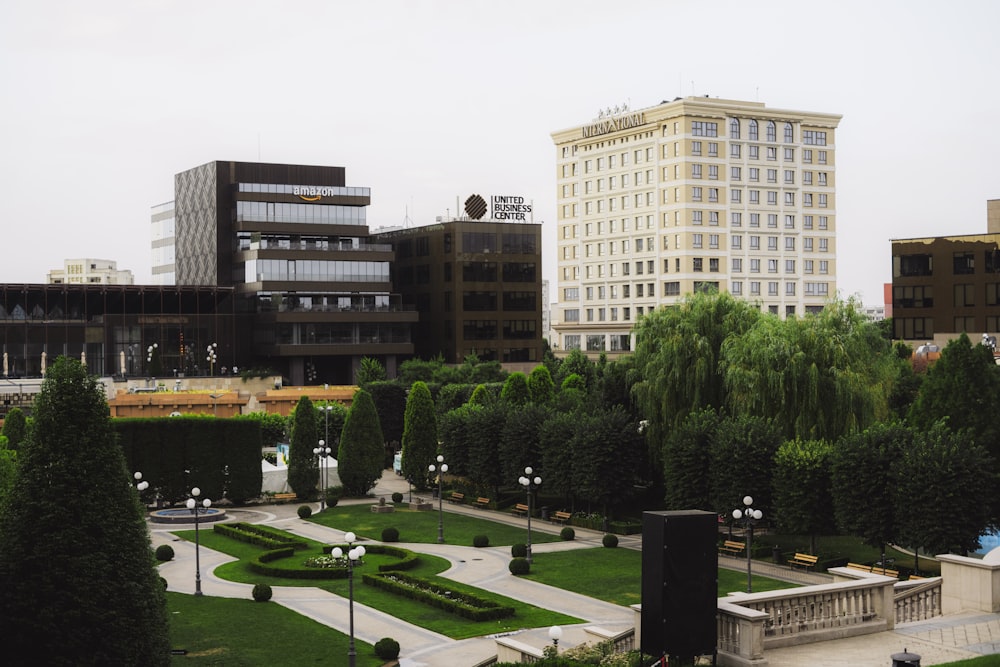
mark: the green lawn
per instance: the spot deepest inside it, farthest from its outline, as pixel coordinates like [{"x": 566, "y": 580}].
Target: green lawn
[
  {"x": 451, "y": 625},
  {"x": 223, "y": 631},
  {"x": 615, "y": 575},
  {"x": 414, "y": 526},
  {"x": 985, "y": 661},
  {"x": 829, "y": 547}
]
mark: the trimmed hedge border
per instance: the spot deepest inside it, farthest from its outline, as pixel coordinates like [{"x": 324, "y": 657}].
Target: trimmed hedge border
[
  {"x": 259, "y": 565},
  {"x": 463, "y": 604},
  {"x": 261, "y": 536}
]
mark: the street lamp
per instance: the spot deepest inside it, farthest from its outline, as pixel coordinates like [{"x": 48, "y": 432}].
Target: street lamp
[
  {"x": 441, "y": 472},
  {"x": 321, "y": 453},
  {"x": 149, "y": 356},
  {"x": 212, "y": 358},
  {"x": 193, "y": 505},
  {"x": 139, "y": 484},
  {"x": 354, "y": 554},
  {"x": 555, "y": 634},
  {"x": 748, "y": 516},
  {"x": 529, "y": 485}
]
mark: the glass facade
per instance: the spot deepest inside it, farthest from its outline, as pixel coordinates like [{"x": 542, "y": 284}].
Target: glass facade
[
  {"x": 319, "y": 214},
  {"x": 315, "y": 271}
]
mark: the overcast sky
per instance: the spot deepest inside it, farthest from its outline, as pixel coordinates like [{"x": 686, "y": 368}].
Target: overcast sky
[{"x": 427, "y": 102}]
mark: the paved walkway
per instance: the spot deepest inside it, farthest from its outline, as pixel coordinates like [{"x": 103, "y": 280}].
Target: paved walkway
[{"x": 944, "y": 639}]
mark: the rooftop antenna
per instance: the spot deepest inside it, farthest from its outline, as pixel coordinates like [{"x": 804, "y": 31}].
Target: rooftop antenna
[{"x": 407, "y": 221}]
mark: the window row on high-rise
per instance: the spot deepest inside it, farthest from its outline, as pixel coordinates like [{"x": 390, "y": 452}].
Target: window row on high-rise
[
  {"x": 319, "y": 214},
  {"x": 315, "y": 270}
]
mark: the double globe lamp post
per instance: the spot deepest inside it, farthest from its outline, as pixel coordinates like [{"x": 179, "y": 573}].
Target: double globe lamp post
[
  {"x": 529, "y": 483},
  {"x": 197, "y": 508},
  {"x": 748, "y": 516},
  {"x": 441, "y": 469},
  {"x": 354, "y": 554}
]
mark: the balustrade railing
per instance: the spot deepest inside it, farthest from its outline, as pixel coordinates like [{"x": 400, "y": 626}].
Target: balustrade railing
[{"x": 917, "y": 600}]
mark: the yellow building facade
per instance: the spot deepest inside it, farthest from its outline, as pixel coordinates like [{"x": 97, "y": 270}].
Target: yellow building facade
[{"x": 692, "y": 194}]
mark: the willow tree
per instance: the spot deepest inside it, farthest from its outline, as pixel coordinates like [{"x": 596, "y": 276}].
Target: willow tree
[
  {"x": 818, "y": 377},
  {"x": 678, "y": 354}
]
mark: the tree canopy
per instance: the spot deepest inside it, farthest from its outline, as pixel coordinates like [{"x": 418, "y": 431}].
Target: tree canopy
[{"x": 359, "y": 459}]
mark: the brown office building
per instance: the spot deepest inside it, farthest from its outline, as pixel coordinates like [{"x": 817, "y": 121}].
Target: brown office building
[
  {"x": 477, "y": 287},
  {"x": 945, "y": 285}
]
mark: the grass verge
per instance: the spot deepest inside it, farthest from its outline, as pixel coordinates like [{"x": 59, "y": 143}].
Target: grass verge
[{"x": 224, "y": 631}]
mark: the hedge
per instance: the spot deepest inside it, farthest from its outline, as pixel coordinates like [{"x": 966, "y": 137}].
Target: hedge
[
  {"x": 260, "y": 565},
  {"x": 261, "y": 536},
  {"x": 465, "y": 605}
]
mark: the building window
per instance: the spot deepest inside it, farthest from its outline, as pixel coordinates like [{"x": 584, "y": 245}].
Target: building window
[
  {"x": 572, "y": 342},
  {"x": 754, "y": 174},
  {"x": 772, "y": 220},
  {"x": 735, "y": 173},
  {"x": 821, "y": 157},
  {"x": 713, "y": 149},
  {"x": 790, "y": 243},
  {"x": 755, "y": 196},
  {"x": 735, "y": 195},
  {"x": 789, "y": 222},
  {"x": 789, "y": 155},
  {"x": 713, "y": 242},
  {"x": 755, "y": 219},
  {"x": 713, "y": 264},
  {"x": 754, "y": 265},
  {"x": 695, "y": 148},
  {"x": 789, "y": 177},
  {"x": 736, "y": 241},
  {"x": 789, "y": 266},
  {"x": 696, "y": 240},
  {"x": 822, "y": 201},
  {"x": 671, "y": 289},
  {"x": 772, "y": 153},
  {"x": 807, "y": 244},
  {"x": 753, "y": 130},
  {"x": 807, "y": 266},
  {"x": 571, "y": 314},
  {"x": 772, "y": 266},
  {"x": 755, "y": 243},
  {"x": 789, "y": 135},
  {"x": 595, "y": 342},
  {"x": 772, "y": 134},
  {"x": 736, "y": 287},
  {"x": 737, "y": 265},
  {"x": 807, "y": 222},
  {"x": 734, "y": 151},
  {"x": 695, "y": 217},
  {"x": 695, "y": 194},
  {"x": 772, "y": 242},
  {"x": 754, "y": 152},
  {"x": 772, "y": 198},
  {"x": 772, "y": 289},
  {"x": 823, "y": 221},
  {"x": 772, "y": 175},
  {"x": 713, "y": 194},
  {"x": 789, "y": 199},
  {"x": 823, "y": 245},
  {"x": 814, "y": 138},
  {"x": 965, "y": 295},
  {"x": 824, "y": 266},
  {"x": 754, "y": 287},
  {"x": 807, "y": 155},
  {"x": 734, "y": 129},
  {"x": 704, "y": 129},
  {"x": 736, "y": 219},
  {"x": 696, "y": 264},
  {"x": 822, "y": 178},
  {"x": 713, "y": 172}
]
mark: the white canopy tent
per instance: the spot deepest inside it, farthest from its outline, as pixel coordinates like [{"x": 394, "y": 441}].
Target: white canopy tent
[{"x": 276, "y": 476}]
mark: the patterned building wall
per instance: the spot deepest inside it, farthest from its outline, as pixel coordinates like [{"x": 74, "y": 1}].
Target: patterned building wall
[{"x": 195, "y": 192}]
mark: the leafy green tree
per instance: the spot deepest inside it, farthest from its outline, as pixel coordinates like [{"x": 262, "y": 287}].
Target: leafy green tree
[
  {"x": 390, "y": 403},
  {"x": 515, "y": 390},
  {"x": 412, "y": 370},
  {"x": 486, "y": 424},
  {"x": 272, "y": 426},
  {"x": 330, "y": 417},
  {"x": 481, "y": 396},
  {"x": 371, "y": 370},
  {"x": 861, "y": 471},
  {"x": 456, "y": 441},
  {"x": 742, "y": 462},
  {"x": 519, "y": 443},
  {"x": 607, "y": 452},
  {"x": 687, "y": 462},
  {"x": 540, "y": 386},
  {"x": 79, "y": 581},
  {"x": 576, "y": 362},
  {"x": 679, "y": 357},
  {"x": 557, "y": 441},
  {"x": 420, "y": 436},
  {"x": 802, "y": 488},
  {"x": 359, "y": 460},
  {"x": 15, "y": 427},
  {"x": 303, "y": 468},
  {"x": 8, "y": 468},
  {"x": 943, "y": 488},
  {"x": 818, "y": 377}
]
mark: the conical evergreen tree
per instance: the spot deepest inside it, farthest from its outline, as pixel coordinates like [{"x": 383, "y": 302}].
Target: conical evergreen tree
[
  {"x": 359, "y": 459},
  {"x": 420, "y": 436},
  {"x": 78, "y": 580},
  {"x": 303, "y": 469}
]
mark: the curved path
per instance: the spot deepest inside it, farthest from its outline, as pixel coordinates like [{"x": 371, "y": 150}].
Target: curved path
[{"x": 484, "y": 568}]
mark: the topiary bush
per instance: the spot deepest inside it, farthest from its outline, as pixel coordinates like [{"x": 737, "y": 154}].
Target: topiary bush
[
  {"x": 519, "y": 566},
  {"x": 387, "y": 648},
  {"x": 390, "y": 534},
  {"x": 567, "y": 533},
  {"x": 481, "y": 541},
  {"x": 610, "y": 540},
  {"x": 397, "y": 497},
  {"x": 164, "y": 552},
  {"x": 261, "y": 592},
  {"x": 519, "y": 551},
  {"x": 305, "y": 511}
]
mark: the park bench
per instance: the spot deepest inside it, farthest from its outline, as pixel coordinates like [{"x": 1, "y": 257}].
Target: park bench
[
  {"x": 520, "y": 509},
  {"x": 859, "y": 566},
  {"x": 878, "y": 569},
  {"x": 284, "y": 496},
  {"x": 732, "y": 547},
  {"x": 456, "y": 497},
  {"x": 483, "y": 503},
  {"x": 803, "y": 560},
  {"x": 560, "y": 517}
]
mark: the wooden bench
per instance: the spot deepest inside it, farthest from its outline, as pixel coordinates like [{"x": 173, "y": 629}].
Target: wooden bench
[
  {"x": 803, "y": 560},
  {"x": 483, "y": 503},
  {"x": 284, "y": 496},
  {"x": 859, "y": 566},
  {"x": 560, "y": 517},
  {"x": 878, "y": 569},
  {"x": 456, "y": 497},
  {"x": 520, "y": 509},
  {"x": 732, "y": 548}
]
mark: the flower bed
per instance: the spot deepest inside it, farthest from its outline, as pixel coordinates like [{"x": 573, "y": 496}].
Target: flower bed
[{"x": 464, "y": 604}]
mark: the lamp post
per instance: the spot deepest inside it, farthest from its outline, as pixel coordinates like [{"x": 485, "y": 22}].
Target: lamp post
[
  {"x": 354, "y": 554},
  {"x": 555, "y": 634},
  {"x": 529, "y": 485},
  {"x": 748, "y": 515},
  {"x": 193, "y": 505},
  {"x": 149, "y": 357},
  {"x": 321, "y": 453},
  {"x": 443, "y": 469},
  {"x": 212, "y": 357},
  {"x": 215, "y": 401}
]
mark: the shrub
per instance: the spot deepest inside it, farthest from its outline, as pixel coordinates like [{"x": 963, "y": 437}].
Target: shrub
[
  {"x": 519, "y": 551},
  {"x": 164, "y": 582},
  {"x": 610, "y": 540},
  {"x": 387, "y": 648},
  {"x": 567, "y": 533},
  {"x": 332, "y": 502},
  {"x": 390, "y": 534},
  {"x": 481, "y": 541},
  {"x": 519, "y": 566},
  {"x": 261, "y": 592},
  {"x": 333, "y": 494},
  {"x": 305, "y": 511},
  {"x": 397, "y": 497},
  {"x": 164, "y": 552}
]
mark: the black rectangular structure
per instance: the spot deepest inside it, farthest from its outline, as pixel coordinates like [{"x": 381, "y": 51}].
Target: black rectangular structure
[{"x": 679, "y": 583}]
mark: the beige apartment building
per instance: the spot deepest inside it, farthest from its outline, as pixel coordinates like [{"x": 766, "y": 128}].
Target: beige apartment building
[{"x": 692, "y": 194}]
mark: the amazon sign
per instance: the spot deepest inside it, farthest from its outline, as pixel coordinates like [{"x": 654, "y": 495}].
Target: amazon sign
[{"x": 315, "y": 192}]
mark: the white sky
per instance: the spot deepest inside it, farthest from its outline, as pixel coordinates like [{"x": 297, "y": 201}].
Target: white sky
[{"x": 426, "y": 102}]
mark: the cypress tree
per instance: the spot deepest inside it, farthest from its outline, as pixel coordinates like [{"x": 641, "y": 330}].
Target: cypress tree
[
  {"x": 79, "y": 582},
  {"x": 420, "y": 435},
  {"x": 359, "y": 459},
  {"x": 303, "y": 470},
  {"x": 15, "y": 427}
]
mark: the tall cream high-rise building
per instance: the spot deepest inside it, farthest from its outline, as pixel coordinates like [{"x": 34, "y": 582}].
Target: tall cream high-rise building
[{"x": 692, "y": 194}]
